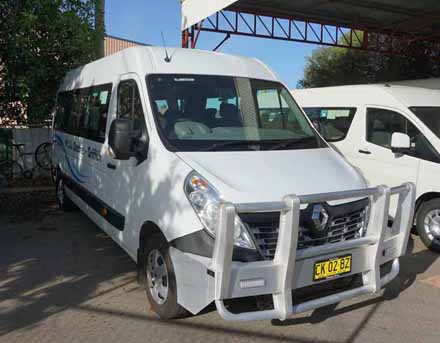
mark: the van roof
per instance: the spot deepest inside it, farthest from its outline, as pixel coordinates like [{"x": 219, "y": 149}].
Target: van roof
[
  {"x": 374, "y": 94},
  {"x": 149, "y": 60}
]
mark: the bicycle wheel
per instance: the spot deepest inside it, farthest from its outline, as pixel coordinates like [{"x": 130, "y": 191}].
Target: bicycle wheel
[
  {"x": 43, "y": 156},
  {"x": 10, "y": 170}
]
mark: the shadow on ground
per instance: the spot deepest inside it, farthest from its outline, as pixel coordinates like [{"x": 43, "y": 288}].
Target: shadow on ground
[{"x": 51, "y": 264}]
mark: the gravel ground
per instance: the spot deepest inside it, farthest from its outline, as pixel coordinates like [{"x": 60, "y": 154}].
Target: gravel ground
[{"x": 63, "y": 280}]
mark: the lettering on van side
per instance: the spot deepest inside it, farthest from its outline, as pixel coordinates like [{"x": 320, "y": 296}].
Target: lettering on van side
[{"x": 90, "y": 151}]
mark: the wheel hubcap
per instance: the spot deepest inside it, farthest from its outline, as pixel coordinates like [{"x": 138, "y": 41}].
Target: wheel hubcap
[
  {"x": 60, "y": 192},
  {"x": 432, "y": 223},
  {"x": 157, "y": 276}
]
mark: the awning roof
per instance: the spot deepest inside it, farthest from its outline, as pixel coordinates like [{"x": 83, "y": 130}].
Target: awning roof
[{"x": 421, "y": 17}]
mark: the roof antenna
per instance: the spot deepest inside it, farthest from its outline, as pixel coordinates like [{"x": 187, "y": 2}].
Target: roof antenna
[{"x": 167, "y": 57}]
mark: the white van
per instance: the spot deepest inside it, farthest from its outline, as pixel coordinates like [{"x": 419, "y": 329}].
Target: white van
[
  {"x": 181, "y": 162},
  {"x": 390, "y": 132}
]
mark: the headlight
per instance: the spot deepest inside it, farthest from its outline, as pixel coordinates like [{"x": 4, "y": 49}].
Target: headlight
[{"x": 206, "y": 202}]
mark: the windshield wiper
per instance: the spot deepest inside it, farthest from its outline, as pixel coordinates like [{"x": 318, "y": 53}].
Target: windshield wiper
[
  {"x": 235, "y": 143},
  {"x": 291, "y": 142}
]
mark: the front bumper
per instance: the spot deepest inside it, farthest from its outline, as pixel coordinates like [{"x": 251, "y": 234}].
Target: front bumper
[{"x": 201, "y": 279}]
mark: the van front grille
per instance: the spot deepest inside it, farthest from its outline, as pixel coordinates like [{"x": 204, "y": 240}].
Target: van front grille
[{"x": 341, "y": 227}]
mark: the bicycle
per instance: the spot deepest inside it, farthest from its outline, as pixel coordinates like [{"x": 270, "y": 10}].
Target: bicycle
[{"x": 15, "y": 168}]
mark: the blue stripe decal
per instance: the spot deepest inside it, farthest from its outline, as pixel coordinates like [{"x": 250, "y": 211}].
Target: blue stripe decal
[{"x": 74, "y": 171}]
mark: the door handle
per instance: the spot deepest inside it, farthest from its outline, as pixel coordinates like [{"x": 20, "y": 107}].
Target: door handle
[
  {"x": 111, "y": 166},
  {"x": 366, "y": 152}
]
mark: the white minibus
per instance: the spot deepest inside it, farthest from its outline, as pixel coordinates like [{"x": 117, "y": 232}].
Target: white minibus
[
  {"x": 182, "y": 161},
  {"x": 390, "y": 132}
]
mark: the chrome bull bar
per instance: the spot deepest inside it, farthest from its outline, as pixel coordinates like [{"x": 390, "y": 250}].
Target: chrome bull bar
[{"x": 277, "y": 275}]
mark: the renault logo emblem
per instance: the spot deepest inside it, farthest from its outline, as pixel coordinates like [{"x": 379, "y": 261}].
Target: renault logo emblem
[{"x": 319, "y": 217}]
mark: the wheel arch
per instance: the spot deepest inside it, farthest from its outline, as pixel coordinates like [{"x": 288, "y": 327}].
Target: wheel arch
[
  {"x": 424, "y": 198},
  {"x": 148, "y": 229}
]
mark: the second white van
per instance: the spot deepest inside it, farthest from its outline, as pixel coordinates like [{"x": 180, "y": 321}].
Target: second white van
[{"x": 390, "y": 132}]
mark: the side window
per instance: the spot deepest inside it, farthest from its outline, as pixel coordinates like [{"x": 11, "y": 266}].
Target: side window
[
  {"x": 83, "y": 112},
  {"x": 332, "y": 122},
  {"x": 99, "y": 100},
  {"x": 381, "y": 124},
  {"x": 130, "y": 105}
]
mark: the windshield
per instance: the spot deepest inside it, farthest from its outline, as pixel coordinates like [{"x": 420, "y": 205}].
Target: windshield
[
  {"x": 202, "y": 113},
  {"x": 430, "y": 116}
]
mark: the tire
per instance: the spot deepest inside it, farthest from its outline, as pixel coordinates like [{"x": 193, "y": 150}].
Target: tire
[
  {"x": 155, "y": 254},
  {"x": 64, "y": 203},
  {"x": 10, "y": 170},
  {"x": 43, "y": 156},
  {"x": 429, "y": 214},
  {"x": 53, "y": 175}
]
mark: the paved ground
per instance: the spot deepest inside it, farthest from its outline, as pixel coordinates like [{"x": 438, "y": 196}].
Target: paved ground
[{"x": 62, "y": 280}]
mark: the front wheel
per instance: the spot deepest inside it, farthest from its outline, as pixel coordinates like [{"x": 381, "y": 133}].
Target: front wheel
[
  {"x": 160, "y": 281},
  {"x": 428, "y": 224}
]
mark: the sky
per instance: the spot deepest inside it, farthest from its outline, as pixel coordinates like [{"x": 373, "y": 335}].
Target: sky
[{"x": 143, "y": 21}]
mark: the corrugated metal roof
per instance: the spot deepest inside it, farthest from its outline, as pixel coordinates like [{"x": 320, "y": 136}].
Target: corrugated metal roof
[{"x": 421, "y": 17}]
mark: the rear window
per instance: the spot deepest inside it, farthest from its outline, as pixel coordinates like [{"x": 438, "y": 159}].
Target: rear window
[
  {"x": 332, "y": 122},
  {"x": 83, "y": 112}
]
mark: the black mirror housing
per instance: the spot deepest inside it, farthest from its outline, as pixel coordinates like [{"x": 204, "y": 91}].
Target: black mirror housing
[
  {"x": 401, "y": 151},
  {"x": 120, "y": 138}
]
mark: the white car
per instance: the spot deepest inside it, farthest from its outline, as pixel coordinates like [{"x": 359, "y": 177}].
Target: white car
[
  {"x": 390, "y": 132},
  {"x": 177, "y": 160}
]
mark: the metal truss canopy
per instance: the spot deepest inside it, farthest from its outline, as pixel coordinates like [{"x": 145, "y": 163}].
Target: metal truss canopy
[{"x": 388, "y": 26}]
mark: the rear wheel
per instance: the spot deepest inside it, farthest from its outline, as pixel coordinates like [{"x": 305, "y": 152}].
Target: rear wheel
[
  {"x": 428, "y": 224},
  {"x": 160, "y": 280},
  {"x": 43, "y": 156},
  {"x": 63, "y": 200}
]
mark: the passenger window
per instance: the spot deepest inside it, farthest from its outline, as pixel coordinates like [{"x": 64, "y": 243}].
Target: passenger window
[
  {"x": 381, "y": 124},
  {"x": 332, "y": 122},
  {"x": 83, "y": 112}
]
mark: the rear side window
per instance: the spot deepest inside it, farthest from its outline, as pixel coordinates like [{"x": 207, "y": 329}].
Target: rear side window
[
  {"x": 83, "y": 112},
  {"x": 332, "y": 122}
]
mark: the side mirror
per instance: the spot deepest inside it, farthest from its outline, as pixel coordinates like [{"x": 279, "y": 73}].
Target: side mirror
[
  {"x": 120, "y": 138},
  {"x": 400, "y": 143}
]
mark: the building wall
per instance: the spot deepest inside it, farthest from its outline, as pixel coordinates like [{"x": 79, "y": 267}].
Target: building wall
[{"x": 115, "y": 44}]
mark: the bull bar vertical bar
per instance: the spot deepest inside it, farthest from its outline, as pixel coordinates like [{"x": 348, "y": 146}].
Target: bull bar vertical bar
[{"x": 286, "y": 250}]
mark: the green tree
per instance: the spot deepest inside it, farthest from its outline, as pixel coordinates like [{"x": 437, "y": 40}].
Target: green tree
[
  {"x": 340, "y": 66},
  {"x": 40, "y": 40}
]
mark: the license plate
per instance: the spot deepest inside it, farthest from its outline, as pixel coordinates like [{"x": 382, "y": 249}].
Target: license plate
[{"x": 332, "y": 267}]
